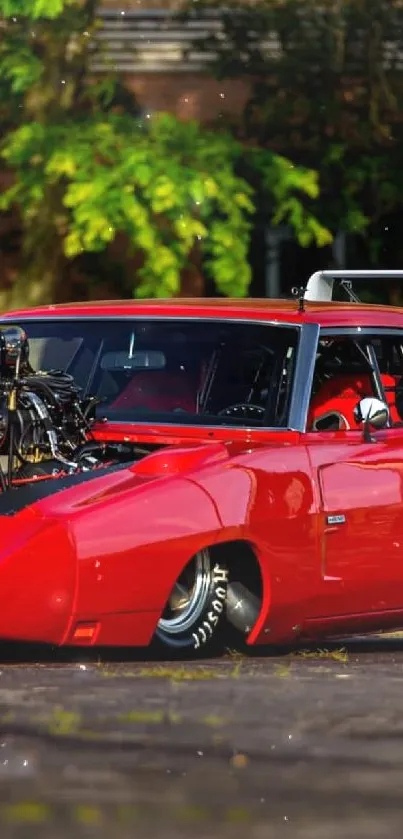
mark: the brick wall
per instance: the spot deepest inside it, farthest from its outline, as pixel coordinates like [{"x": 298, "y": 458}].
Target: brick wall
[{"x": 190, "y": 95}]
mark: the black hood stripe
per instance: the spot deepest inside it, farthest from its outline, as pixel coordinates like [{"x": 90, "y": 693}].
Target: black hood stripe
[{"x": 14, "y": 500}]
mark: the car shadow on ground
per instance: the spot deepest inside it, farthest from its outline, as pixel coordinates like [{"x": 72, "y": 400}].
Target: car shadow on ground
[{"x": 29, "y": 653}]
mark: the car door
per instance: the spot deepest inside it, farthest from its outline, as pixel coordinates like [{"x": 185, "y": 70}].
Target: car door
[{"x": 360, "y": 486}]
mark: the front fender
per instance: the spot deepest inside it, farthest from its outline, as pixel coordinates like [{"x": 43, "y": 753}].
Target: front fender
[
  {"x": 132, "y": 548},
  {"x": 37, "y": 578}
]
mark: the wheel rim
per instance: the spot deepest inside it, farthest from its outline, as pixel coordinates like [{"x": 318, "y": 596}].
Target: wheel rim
[{"x": 189, "y": 596}]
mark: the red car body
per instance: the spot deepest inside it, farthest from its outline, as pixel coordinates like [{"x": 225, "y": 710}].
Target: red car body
[{"x": 320, "y": 511}]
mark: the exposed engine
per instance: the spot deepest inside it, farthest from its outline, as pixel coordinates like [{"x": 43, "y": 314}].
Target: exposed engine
[{"x": 45, "y": 425}]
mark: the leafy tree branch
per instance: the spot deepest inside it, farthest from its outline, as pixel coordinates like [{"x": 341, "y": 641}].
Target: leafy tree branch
[
  {"x": 326, "y": 90},
  {"x": 88, "y": 166}
]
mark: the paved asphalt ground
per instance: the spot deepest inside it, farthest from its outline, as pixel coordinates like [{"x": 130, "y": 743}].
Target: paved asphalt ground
[{"x": 307, "y": 745}]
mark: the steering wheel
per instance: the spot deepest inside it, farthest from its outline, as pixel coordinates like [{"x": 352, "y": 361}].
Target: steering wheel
[{"x": 242, "y": 409}]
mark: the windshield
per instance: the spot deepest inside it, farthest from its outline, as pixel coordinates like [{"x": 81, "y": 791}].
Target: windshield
[{"x": 173, "y": 371}]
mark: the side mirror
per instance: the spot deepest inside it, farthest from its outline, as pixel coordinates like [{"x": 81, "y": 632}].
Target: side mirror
[{"x": 372, "y": 413}]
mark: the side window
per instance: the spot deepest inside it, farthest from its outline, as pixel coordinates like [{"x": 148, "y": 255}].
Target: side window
[
  {"x": 388, "y": 350},
  {"x": 349, "y": 368},
  {"x": 253, "y": 379},
  {"x": 343, "y": 375}
]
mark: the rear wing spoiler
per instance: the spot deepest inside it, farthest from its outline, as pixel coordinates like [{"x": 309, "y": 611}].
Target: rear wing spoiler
[{"x": 320, "y": 284}]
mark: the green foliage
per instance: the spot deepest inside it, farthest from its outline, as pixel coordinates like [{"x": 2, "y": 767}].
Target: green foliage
[
  {"x": 285, "y": 182},
  {"x": 86, "y": 169},
  {"x": 144, "y": 181},
  {"x": 34, "y": 9},
  {"x": 326, "y": 89}
]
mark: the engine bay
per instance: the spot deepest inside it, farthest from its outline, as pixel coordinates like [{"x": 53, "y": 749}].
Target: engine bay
[{"x": 46, "y": 422}]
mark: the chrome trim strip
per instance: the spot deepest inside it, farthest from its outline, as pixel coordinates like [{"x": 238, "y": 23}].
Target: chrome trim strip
[
  {"x": 167, "y": 425},
  {"x": 210, "y": 319},
  {"x": 332, "y": 331}
]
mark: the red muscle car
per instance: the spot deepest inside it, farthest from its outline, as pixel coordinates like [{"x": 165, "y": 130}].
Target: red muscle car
[{"x": 172, "y": 471}]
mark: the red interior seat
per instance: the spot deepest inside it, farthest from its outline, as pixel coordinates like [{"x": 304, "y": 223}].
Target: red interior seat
[
  {"x": 159, "y": 391},
  {"x": 341, "y": 394}
]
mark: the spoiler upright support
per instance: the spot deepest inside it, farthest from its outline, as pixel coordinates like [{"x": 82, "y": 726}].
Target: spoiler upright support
[{"x": 320, "y": 284}]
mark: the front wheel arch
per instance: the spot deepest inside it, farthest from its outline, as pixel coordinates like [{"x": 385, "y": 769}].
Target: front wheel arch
[{"x": 227, "y": 593}]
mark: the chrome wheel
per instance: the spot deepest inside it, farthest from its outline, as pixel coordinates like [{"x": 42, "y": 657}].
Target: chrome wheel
[{"x": 189, "y": 597}]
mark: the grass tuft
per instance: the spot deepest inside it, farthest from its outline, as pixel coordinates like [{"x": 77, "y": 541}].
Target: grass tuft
[{"x": 340, "y": 655}]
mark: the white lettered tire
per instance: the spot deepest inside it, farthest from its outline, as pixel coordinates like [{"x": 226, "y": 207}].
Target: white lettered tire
[{"x": 196, "y": 607}]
